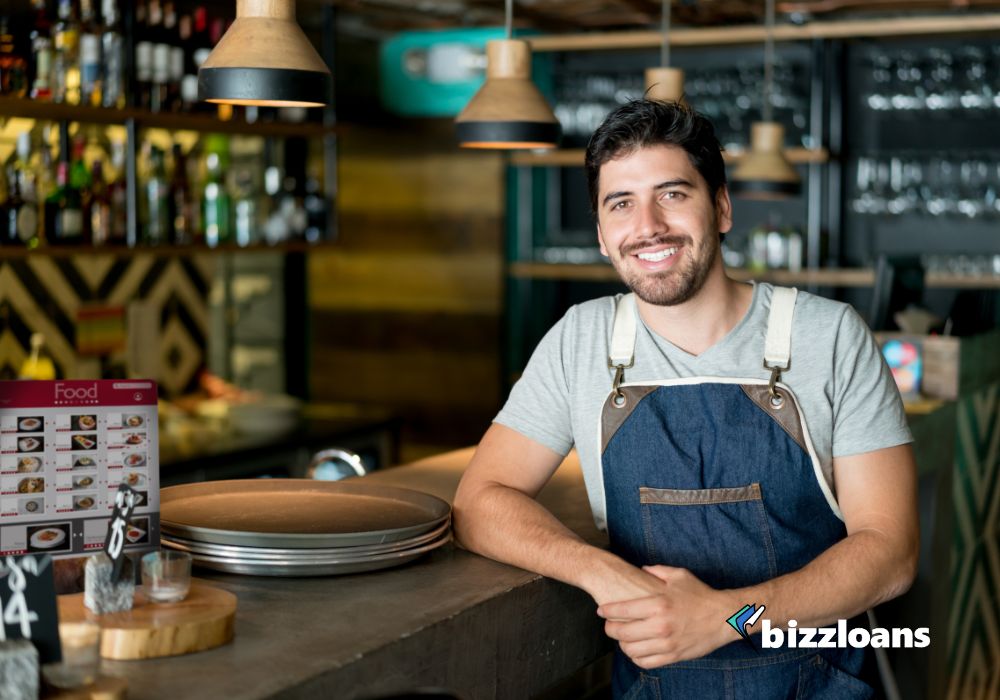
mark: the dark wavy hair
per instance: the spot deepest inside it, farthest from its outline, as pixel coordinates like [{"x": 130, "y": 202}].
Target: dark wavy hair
[{"x": 642, "y": 123}]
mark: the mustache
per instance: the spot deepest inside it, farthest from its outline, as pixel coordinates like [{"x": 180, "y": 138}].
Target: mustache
[{"x": 671, "y": 240}]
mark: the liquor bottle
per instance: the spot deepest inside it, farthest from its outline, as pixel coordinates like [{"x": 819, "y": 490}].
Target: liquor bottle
[
  {"x": 43, "y": 171},
  {"x": 215, "y": 200},
  {"x": 63, "y": 211},
  {"x": 159, "y": 91},
  {"x": 143, "y": 57},
  {"x": 66, "y": 62},
  {"x": 118, "y": 196},
  {"x": 316, "y": 210},
  {"x": 179, "y": 201},
  {"x": 245, "y": 210},
  {"x": 100, "y": 206},
  {"x": 13, "y": 67},
  {"x": 41, "y": 50},
  {"x": 113, "y": 50},
  {"x": 91, "y": 83},
  {"x": 156, "y": 222},
  {"x": 175, "y": 57},
  {"x": 80, "y": 182},
  {"x": 184, "y": 53},
  {"x": 20, "y": 212}
]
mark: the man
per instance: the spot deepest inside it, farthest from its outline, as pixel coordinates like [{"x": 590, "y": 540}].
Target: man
[{"x": 742, "y": 444}]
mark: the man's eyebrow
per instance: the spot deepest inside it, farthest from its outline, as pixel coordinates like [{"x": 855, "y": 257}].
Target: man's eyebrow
[{"x": 667, "y": 184}]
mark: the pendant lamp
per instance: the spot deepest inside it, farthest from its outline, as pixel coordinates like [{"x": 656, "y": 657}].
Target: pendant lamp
[
  {"x": 665, "y": 84},
  {"x": 265, "y": 59},
  {"x": 764, "y": 172},
  {"x": 508, "y": 111}
]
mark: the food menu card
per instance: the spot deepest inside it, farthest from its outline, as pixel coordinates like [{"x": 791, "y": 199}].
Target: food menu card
[{"x": 64, "y": 448}]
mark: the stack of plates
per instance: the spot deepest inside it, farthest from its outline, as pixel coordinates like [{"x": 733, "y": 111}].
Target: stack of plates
[{"x": 297, "y": 527}]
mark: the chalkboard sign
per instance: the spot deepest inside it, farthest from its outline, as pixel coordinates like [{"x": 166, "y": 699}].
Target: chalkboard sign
[
  {"x": 28, "y": 604},
  {"x": 114, "y": 544}
]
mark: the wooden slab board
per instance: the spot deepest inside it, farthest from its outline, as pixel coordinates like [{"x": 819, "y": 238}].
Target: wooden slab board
[
  {"x": 201, "y": 621},
  {"x": 104, "y": 688}
]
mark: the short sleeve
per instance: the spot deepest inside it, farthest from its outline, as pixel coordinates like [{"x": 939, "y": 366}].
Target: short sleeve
[
  {"x": 539, "y": 403},
  {"x": 867, "y": 409}
]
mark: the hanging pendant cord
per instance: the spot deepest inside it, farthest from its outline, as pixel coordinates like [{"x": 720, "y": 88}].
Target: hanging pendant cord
[
  {"x": 665, "y": 30},
  {"x": 768, "y": 59},
  {"x": 509, "y": 17}
]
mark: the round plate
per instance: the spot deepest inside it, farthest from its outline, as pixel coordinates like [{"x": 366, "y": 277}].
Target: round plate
[
  {"x": 297, "y": 513},
  {"x": 37, "y": 541},
  {"x": 265, "y": 554},
  {"x": 314, "y": 568}
]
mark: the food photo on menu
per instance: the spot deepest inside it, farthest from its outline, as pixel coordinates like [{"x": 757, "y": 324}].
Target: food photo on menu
[
  {"x": 134, "y": 479},
  {"x": 31, "y": 506},
  {"x": 84, "y": 502},
  {"x": 135, "y": 459},
  {"x": 31, "y": 485},
  {"x": 48, "y": 538},
  {"x": 83, "y": 422},
  {"x": 30, "y": 424},
  {"x": 28, "y": 465},
  {"x": 30, "y": 444},
  {"x": 84, "y": 481},
  {"x": 83, "y": 462},
  {"x": 135, "y": 439},
  {"x": 133, "y": 421},
  {"x": 84, "y": 442},
  {"x": 138, "y": 531}
]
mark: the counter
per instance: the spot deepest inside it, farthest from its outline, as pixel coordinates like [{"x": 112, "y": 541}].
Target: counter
[{"x": 451, "y": 620}]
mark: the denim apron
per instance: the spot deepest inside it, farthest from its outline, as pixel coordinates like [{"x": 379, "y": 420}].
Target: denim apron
[{"x": 718, "y": 476}]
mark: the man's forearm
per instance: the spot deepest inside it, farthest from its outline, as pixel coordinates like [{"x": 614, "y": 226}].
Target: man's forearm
[
  {"x": 507, "y": 525},
  {"x": 857, "y": 573}
]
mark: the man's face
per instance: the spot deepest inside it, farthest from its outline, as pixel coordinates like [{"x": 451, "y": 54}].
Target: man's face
[{"x": 658, "y": 223}]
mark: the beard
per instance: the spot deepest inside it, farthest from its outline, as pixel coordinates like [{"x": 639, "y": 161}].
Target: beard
[{"x": 679, "y": 283}]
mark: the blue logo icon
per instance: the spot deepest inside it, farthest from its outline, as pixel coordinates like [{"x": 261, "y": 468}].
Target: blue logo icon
[{"x": 745, "y": 618}]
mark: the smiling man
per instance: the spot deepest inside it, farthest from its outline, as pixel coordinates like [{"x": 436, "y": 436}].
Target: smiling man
[{"x": 742, "y": 444}]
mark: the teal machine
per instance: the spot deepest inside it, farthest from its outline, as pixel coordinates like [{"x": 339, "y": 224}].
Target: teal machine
[{"x": 436, "y": 73}]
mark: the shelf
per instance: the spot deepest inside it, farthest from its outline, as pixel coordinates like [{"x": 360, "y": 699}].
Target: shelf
[
  {"x": 574, "y": 157},
  {"x": 50, "y": 111},
  {"x": 67, "y": 251},
  {"x": 823, "y": 277},
  {"x": 712, "y": 36}
]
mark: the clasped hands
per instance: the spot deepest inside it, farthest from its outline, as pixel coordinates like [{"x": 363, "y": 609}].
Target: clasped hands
[{"x": 672, "y": 616}]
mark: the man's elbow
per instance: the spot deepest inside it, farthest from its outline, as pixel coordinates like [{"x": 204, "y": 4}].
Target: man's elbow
[{"x": 905, "y": 568}]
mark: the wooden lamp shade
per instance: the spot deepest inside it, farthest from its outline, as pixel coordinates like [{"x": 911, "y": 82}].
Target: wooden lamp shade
[
  {"x": 665, "y": 84},
  {"x": 508, "y": 111},
  {"x": 265, "y": 59},
  {"x": 764, "y": 172}
]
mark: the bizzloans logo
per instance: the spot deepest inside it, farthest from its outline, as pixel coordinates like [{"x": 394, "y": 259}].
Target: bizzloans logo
[
  {"x": 839, "y": 637},
  {"x": 76, "y": 394}
]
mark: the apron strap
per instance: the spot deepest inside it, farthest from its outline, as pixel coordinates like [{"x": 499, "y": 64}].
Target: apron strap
[
  {"x": 778, "y": 343},
  {"x": 623, "y": 333}
]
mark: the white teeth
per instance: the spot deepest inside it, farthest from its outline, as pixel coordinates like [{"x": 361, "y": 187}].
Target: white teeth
[{"x": 656, "y": 257}]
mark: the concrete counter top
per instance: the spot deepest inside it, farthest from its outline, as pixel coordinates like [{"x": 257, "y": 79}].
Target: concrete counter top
[{"x": 452, "y": 620}]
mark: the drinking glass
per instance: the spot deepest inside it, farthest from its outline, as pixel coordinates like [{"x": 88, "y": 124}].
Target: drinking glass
[
  {"x": 81, "y": 656},
  {"x": 166, "y": 576}
]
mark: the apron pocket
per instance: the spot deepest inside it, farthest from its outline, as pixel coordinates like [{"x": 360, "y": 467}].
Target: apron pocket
[
  {"x": 820, "y": 680},
  {"x": 645, "y": 688},
  {"x": 720, "y": 535}
]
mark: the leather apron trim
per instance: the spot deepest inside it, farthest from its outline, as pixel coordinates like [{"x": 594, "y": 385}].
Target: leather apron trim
[{"x": 699, "y": 497}]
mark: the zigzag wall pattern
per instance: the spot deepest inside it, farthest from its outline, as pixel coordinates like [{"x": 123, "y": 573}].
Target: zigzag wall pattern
[
  {"x": 974, "y": 624},
  {"x": 42, "y": 293}
]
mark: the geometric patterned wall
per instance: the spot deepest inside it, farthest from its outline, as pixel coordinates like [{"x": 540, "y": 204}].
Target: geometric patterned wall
[
  {"x": 974, "y": 624},
  {"x": 43, "y": 293}
]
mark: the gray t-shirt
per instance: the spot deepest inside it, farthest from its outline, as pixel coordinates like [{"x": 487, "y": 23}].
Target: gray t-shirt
[{"x": 844, "y": 389}]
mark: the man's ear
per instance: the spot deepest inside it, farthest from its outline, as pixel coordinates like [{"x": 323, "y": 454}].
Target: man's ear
[
  {"x": 600, "y": 240},
  {"x": 724, "y": 209}
]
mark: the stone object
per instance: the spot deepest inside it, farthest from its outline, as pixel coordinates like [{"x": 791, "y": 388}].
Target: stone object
[
  {"x": 18, "y": 670},
  {"x": 100, "y": 594}
]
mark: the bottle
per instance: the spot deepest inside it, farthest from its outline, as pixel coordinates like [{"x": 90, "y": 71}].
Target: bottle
[
  {"x": 66, "y": 62},
  {"x": 43, "y": 171},
  {"x": 113, "y": 50},
  {"x": 316, "y": 210},
  {"x": 245, "y": 210},
  {"x": 159, "y": 91},
  {"x": 63, "y": 211},
  {"x": 143, "y": 57},
  {"x": 156, "y": 222},
  {"x": 215, "y": 200},
  {"x": 13, "y": 67},
  {"x": 182, "y": 59},
  {"x": 100, "y": 207},
  {"x": 41, "y": 50},
  {"x": 38, "y": 364},
  {"x": 21, "y": 209},
  {"x": 179, "y": 201},
  {"x": 118, "y": 196},
  {"x": 175, "y": 57},
  {"x": 80, "y": 182},
  {"x": 91, "y": 84}
]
